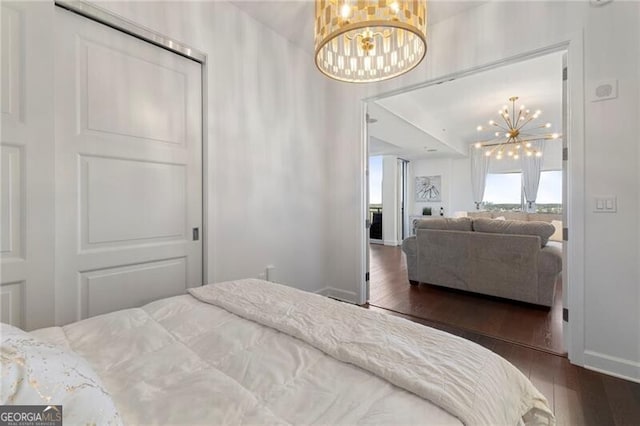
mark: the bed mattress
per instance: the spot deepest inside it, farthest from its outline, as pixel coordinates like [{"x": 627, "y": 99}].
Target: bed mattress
[{"x": 186, "y": 361}]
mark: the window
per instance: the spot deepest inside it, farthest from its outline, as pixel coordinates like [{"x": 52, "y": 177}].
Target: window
[
  {"x": 549, "y": 199},
  {"x": 503, "y": 192},
  {"x": 375, "y": 180}
]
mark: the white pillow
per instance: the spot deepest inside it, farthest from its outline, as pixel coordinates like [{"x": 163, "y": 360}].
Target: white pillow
[
  {"x": 499, "y": 218},
  {"x": 557, "y": 235},
  {"x": 38, "y": 373}
]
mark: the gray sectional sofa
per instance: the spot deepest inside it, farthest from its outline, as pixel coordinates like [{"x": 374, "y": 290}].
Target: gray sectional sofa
[{"x": 503, "y": 258}]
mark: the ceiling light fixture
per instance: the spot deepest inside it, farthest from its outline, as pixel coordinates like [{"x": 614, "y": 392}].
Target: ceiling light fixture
[
  {"x": 515, "y": 136},
  {"x": 362, "y": 41}
]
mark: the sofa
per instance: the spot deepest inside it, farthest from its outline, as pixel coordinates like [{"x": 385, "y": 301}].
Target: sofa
[{"x": 504, "y": 258}]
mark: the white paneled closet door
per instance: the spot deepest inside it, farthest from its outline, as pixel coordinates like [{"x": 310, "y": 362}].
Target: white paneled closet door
[
  {"x": 26, "y": 165},
  {"x": 128, "y": 170}
]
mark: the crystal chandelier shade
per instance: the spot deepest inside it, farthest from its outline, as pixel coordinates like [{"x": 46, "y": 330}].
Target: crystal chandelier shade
[
  {"x": 363, "y": 41},
  {"x": 514, "y": 133}
]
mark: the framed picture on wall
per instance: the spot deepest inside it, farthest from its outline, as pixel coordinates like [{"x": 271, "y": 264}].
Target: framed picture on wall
[{"x": 428, "y": 188}]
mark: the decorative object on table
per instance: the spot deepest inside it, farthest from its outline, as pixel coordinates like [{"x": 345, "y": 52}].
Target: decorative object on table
[
  {"x": 365, "y": 41},
  {"x": 441, "y": 211},
  {"x": 515, "y": 134},
  {"x": 426, "y": 211},
  {"x": 428, "y": 188}
]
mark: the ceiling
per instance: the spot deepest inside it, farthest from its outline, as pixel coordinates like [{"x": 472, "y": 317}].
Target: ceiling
[
  {"x": 448, "y": 114},
  {"x": 438, "y": 120},
  {"x": 293, "y": 19}
]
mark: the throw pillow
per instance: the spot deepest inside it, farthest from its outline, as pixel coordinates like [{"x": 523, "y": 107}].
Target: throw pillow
[
  {"x": 445, "y": 224},
  {"x": 557, "y": 235},
  {"x": 517, "y": 227},
  {"x": 35, "y": 372}
]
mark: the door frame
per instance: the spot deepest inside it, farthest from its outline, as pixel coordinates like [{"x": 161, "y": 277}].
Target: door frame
[
  {"x": 118, "y": 23},
  {"x": 575, "y": 164}
]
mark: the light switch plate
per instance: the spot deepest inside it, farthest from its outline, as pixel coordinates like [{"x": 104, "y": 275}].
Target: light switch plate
[{"x": 605, "y": 204}]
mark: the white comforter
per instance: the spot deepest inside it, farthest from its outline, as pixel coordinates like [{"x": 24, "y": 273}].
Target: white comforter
[{"x": 181, "y": 361}]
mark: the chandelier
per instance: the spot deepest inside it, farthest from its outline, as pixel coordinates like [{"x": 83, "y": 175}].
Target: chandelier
[
  {"x": 516, "y": 134},
  {"x": 362, "y": 41}
]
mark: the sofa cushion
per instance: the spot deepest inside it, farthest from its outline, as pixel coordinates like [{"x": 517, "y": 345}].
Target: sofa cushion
[
  {"x": 542, "y": 229},
  {"x": 479, "y": 214},
  {"x": 446, "y": 224}
]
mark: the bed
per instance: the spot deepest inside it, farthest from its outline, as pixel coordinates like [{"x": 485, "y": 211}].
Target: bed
[{"x": 254, "y": 352}]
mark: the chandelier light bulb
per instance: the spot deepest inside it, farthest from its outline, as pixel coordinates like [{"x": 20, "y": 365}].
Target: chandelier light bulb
[
  {"x": 529, "y": 153},
  {"x": 555, "y": 136},
  {"x": 395, "y": 7},
  {"x": 345, "y": 11},
  {"x": 515, "y": 157},
  {"x": 538, "y": 154},
  {"x": 528, "y": 145},
  {"x": 487, "y": 154},
  {"x": 479, "y": 128},
  {"x": 478, "y": 145},
  {"x": 547, "y": 125},
  {"x": 492, "y": 123}
]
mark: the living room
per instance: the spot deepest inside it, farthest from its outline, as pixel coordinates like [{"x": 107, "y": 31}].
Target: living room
[{"x": 426, "y": 146}]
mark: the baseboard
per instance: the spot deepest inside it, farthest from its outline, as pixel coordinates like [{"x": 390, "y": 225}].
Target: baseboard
[
  {"x": 390, "y": 243},
  {"x": 336, "y": 293},
  {"x": 613, "y": 366}
]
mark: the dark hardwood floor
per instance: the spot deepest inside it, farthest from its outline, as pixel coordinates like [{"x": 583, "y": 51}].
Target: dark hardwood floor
[
  {"x": 514, "y": 322},
  {"x": 576, "y": 395}
]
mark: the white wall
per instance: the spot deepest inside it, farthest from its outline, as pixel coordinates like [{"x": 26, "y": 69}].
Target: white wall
[
  {"x": 608, "y": 275},
  {"x": 435, "y": 167},
  {"x": 266, "y": 152},
  {"x": 456, "y": 185}
]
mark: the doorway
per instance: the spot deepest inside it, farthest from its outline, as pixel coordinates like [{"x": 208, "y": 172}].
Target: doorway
[{"x": 445, "y": 156}]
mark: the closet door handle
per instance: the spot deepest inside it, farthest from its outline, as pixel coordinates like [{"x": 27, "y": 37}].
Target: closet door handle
[{"x": 196, "y": 234}]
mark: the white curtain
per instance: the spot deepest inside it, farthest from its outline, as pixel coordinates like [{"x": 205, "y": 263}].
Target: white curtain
[
  {"x": 531, "y": 168},
  {"x": 479, "y": 170}
]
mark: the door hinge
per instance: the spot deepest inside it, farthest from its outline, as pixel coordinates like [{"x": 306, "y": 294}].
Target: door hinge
[
  {"x": 196, "y": 234},
  {"x": 565, "y": 73},
  {"x": 565, "y": 234},
  {"x": 565, "y": 314},
  {"x": 565, "y": 154},
  {"x": 367, "y": 224},
  {"x": 366, "y": 276}
]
